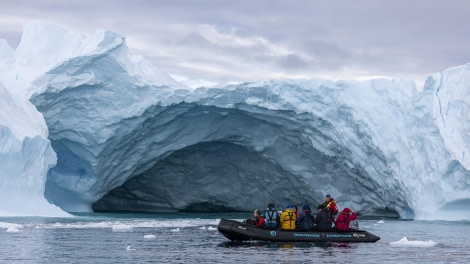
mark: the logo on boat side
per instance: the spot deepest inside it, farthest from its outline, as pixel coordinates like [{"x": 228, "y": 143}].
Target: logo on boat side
[
  {"x": 337, "y": 235},
  {"x": 306, "y": 235},
  {"x": 359, "y": 235},
  {"x": 273, "y": 233},
  {"x": 241, "y": 227}
]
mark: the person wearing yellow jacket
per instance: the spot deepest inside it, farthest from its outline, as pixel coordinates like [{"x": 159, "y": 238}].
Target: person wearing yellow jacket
[{"x": 288, "y": 218}]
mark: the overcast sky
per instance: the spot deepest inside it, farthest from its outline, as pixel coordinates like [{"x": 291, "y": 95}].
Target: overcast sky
[{"x": 222, "y": 41}]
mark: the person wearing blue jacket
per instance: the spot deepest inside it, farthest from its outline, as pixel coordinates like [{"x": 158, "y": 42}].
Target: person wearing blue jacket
[
  {"x": 271, "y": 217},
  {"x": 306, "y": 220}
]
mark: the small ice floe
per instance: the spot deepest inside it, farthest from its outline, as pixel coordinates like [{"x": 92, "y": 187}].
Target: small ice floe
[
  {"x": 12, "y": 225},
  {"x": 175, "y": 230},
  {"x": 202, "y": 228},
  {"x": 404, "y": 242},
  {"x": 129, "y": 248},
  {"x": 211, "y": 228},
  {"x": 150, "y": 237},
  {"x": 381, "y": 222},
  {"x": 13, "y": 230},
  {"x": 122, "y": 228}
]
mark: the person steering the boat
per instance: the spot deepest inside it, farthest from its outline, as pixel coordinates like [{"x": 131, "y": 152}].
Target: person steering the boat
[{"x": 330, "y": 204}]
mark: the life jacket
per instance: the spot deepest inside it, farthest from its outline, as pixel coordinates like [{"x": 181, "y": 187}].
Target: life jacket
[
  {"x": 270, "y": 219},
  {"x": 331, "y": 205},
  {"x": 332, "y": 208},
  {"x": 288, "y": 219}
]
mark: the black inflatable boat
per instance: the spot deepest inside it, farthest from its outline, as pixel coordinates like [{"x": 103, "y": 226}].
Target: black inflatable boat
[{"x": 238, "y": 231}]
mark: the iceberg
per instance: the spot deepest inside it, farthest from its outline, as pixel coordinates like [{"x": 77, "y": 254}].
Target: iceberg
[
  {"x": 26, "y": 156},
  {"x": 128, "y": 137},
  {"x": 404, "y": 242}
]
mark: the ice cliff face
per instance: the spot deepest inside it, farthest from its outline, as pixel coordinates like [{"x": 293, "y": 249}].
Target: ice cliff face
[
  {"x": 25, "y": 158},
  {"x": 128, "y": 137}
]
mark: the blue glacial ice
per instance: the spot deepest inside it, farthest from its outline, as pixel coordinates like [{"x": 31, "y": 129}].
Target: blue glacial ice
[{"x": 127, "y": 137}]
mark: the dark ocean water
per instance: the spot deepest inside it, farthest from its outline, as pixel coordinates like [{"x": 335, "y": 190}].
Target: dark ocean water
[{"x": 193, "y": 238}]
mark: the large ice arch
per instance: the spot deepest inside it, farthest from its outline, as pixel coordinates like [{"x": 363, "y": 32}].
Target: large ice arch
[{"x": 238, "y": 158}]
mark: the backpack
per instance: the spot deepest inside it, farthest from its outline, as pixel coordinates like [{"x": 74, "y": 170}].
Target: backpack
[
  {"x": 250, "y": 222},
  {"x": 354, "y": 225}
]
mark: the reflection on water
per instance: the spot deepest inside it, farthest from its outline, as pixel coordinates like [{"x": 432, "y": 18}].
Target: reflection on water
[
  {"x": 90, "y": 239},
  {"x": 285, "y": 245}
]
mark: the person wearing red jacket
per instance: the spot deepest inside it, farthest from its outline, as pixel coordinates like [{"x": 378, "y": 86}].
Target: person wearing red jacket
[
  {"x": 346, "y": 216},
  {"x": 330, "y": 204},
  {"x": 258, "y": 218}
]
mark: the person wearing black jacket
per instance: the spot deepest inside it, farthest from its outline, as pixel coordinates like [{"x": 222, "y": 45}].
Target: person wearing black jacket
[{"x": 323, "y": 219}]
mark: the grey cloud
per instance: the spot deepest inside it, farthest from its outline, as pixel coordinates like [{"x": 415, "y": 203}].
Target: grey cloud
[
  {"x": 394, "y": 38},
  {"x": 292, "y": 62}
]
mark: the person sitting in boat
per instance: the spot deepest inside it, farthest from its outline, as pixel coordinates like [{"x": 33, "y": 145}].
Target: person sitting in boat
[
  {"x": 271, "y": 217},
  {"x": 344, "y": 218},
  {"x": 258, "y": 218},
  {"x": 306, "y": 220},
  {"x": 330, "y": 204},
  {"x": 322, "y": 221},
  {"x": 296, "y": 210},
  {"x": 288, "y": 218}
]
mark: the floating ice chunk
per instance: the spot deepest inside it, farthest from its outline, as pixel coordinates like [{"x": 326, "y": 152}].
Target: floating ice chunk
[
  {"x": 175, "y": 230},
  {"x": 202, "y": 228},
  {"x": 211, "y": 228},
  {"x": 13, "y": 230},
  {"x": 10, "y": 225},
  {"x": 122, "y": 228},
  {"x": 404, "y": 242},
  {"x": 381, "y": 222},
  {"x": 129, "y": 248},
  {"x": 150, "y": 237}
]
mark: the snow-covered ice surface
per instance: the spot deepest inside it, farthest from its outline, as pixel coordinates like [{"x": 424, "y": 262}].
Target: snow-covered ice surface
[{"x": 128, "y": 137}]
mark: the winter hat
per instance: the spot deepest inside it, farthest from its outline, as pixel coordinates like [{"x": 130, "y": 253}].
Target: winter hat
[
  {"x": 271, "y": 205},
  {"x": 306, "y": 206},
  {"x": 346, "y": 210},
  {"x": 289, "y": 206}
]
